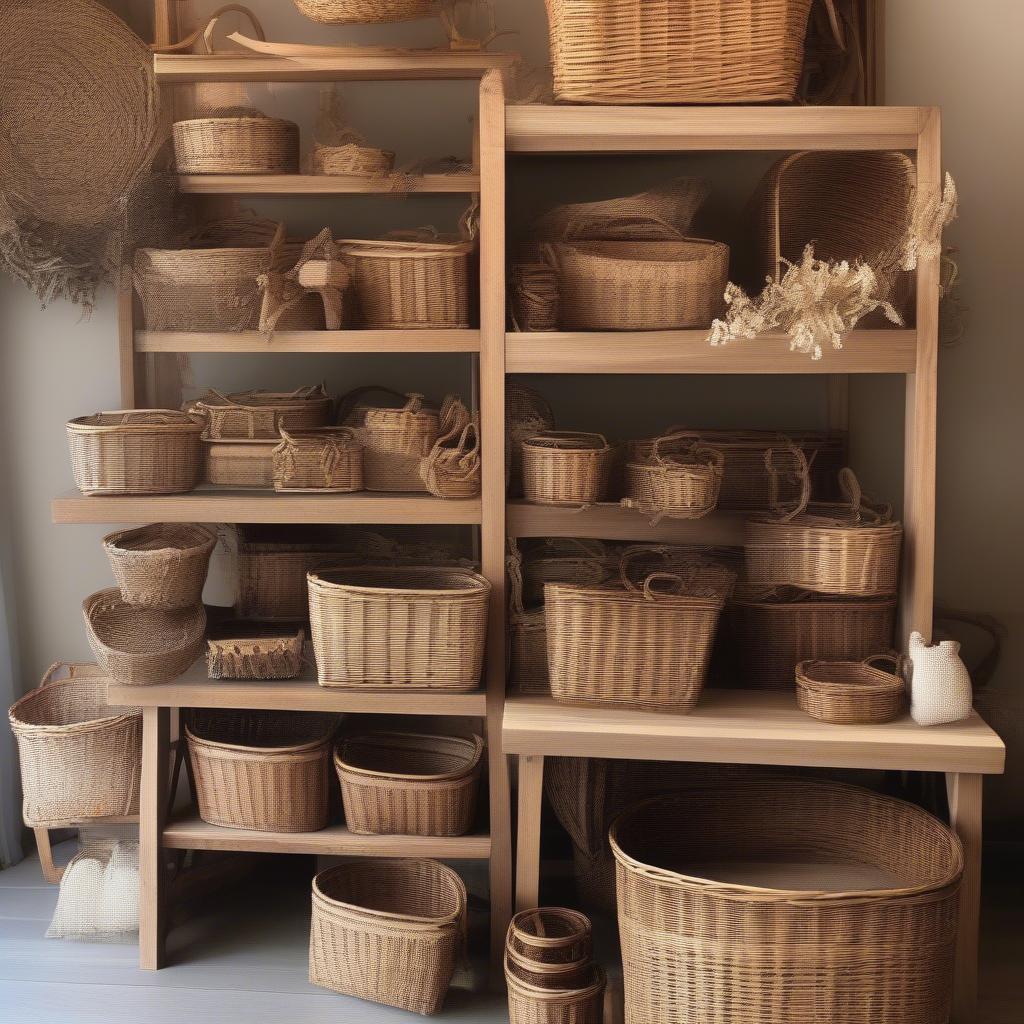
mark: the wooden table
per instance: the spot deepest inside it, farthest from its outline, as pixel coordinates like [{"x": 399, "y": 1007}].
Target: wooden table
[{"x": 764, "y": 728}]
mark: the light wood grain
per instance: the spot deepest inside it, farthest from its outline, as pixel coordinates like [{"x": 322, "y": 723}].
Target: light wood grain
[
  {"x": 125, "y": 337},
  {"x": 964, "y": 792},
  {"x": 326, "y": 184},
  {"x": 531, "y": 791},
  {"x": 152, "y": 798},
  {"x": 289, "y": 342}
]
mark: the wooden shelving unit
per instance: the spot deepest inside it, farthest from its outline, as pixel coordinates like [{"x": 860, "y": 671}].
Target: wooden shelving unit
[
  {"x": 294, "y": 342},
  {"x": 326, "y": 184}
]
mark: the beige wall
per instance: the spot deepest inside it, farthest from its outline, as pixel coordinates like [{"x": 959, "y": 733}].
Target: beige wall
[{"x": 961, "y": 56}]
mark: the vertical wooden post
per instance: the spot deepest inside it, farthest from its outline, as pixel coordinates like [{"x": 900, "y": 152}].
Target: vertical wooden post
[
  {"x": 126, "y": 338},
  {"x": 152, "y": 809},
  {"x": 531, "y": 793},
  {"x": 965, "y": 793}
]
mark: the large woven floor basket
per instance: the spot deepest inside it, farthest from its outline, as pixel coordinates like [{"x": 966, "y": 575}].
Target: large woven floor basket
[
  {"x": 789, "y": 901},
  {"x": 389, "y": 931},
  {"x": 262, "y": 770},
  {"x": 677, "y": 51},
  {"x": 79, "y": 755},
  {"x": 399, "y": 627}
]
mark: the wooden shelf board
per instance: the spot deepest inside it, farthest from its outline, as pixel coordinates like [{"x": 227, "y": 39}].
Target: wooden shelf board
[
  {"x": 192, "y": 833},
  {"x": 747, "y": 727},
  {"x": 537, "y": 128},
  {"x": 865, "y": 351},
  {"x": 326, "y": 184},
  {"x": 208, "y": 505},
  {"x": 610, "y": 521},
  {"x": 290, "y": 342}
]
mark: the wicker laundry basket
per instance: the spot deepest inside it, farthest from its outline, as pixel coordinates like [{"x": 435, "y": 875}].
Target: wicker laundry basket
[
  {"x": 409, "y": 784},
  {"x": 680, "y": 484},
  {"x": 527, "y": 412},
  {"x": 851, "y": 692},
  {"x": 254, "y": 650},
  {"x": 389, "y": 931},
  {"x": 240, "y": 463},
  {"x": 136, "y": 451},
  {"x": 262, "y": 414},
  {"x": 325, "y": 459},
  {"x": 80, "y": 756},
  {"x": 263, "y": 770},
  {"x": 562, "y": 467},
  {"x": 788, "y": 899},
  {"x": 251, "y": 144},
  {"x": 399, "y": 627},
  {"x": 344, "y": 12}
]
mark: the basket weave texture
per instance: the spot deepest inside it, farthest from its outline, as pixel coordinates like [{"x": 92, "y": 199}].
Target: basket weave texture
[
  {"x": 324, "y": 459},
  {"x": 529, "y": 1003},
  {"x": 395, "y": 442},
  {"x": 262, "y": 414},
  {"x": 702, "y": 942},
  {"x": 566, "y": 468},
  {"x": 452, "y": 467},
  {"x": 343, "y": 12},
  {"x": 550, "y": 935},
  {"x": 350, "y": 159},
  {"x": 239, "y": 463},
  {"x": 79, "y": 755},
  {"x": 390, "y": 931},
  {"x": 684, "y": 484},
  {"x": 847, "y": 692},
  {"x": 236, "y": 145},
  {"x": 254, "y": 651}
]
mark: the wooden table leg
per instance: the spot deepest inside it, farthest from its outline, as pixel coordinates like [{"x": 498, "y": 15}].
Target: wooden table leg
[
  {"x": 152, "y": 808},
  {"x": 531, "y": 790},
  {"x": 964, "y": 792},
  {"x": 51, "y": 872}
]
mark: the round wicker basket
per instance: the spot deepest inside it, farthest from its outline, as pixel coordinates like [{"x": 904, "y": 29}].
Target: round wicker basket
[
  {"x": 566, "y": 467},
  {"x": 236, "y": 145},
  {"x": 531, "y": 1004},
  {"x": 351, "y": 158}
]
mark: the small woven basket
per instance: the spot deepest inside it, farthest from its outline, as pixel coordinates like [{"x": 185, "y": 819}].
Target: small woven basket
[
  {"x": 236, "y": 145},
  {"x": 142, "y": 646},
  {"x": 640, "y": 286},
  {"x": 550, "y": 935},
  {"x": 79, "y": 755},
  {"x": 327, "y": 459},
  {"x": 263, "y": 770},
  {"x": 239, "y": 463},
  {"x": 681, "y": 485},
  {"x": 399, "y": 627},
  {"x": 395, "y": 442},
  {"x": 390, "y": 931},
  {"x": 527, "y": 412},
  {"x": 850, "y": 692},
  {"x": 246, "y": 415},
  {"x": 350, "y": 159},
  {"x": 251, "y": 650},
  {"x": 566, "y": 468},
  {"x": 404, "y": 784},
  {"x": 163, "y": 565},
  {"x": 136, "y": 451},
  {"x": 345, "y": 12},
  {"x": 531, "y": 1004}
]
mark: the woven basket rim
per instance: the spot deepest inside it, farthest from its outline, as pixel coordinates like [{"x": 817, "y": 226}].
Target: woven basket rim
[
  {"x": 110, "y": 599},
  {"x": 396, "y": 249},
  {"x": 552, "y": 970},
  {"x": 474, "y": 745},
  {"x": 615, "y": 591},
  {"x": 186, "y": 422},
  {"x": 22, "y": 727},
  {"x": 547, "y": 941},
  {"x": 204, "y": 539},
  {"x": 556, "y": 995},
  {"x": 655, "y": 251},
  {"x": 245, "y": 748},
  {"x": 818, "y": 601},
  {"x": 873, "y": 681},
  {"x": 565, "y": 442},
  {"x": 236, "y": 120},
  {"x": 477, "y": 582}
]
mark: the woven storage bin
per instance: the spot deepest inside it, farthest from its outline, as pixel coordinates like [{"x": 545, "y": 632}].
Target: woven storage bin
[
  {"x": 404, "y": 784},
  {"x": 236, "y": 145},
  {"x": 850, "y": 692},
  {"x": 550, "y": 935},
  {"x": 790, "y": 900},
  {"x": 328, "y": 459},
  {"x": 136, "y": 451},
  {"x": 239, "y": 463},
  {"x": 262, "y": 414},
  {"x": 399, "y": 627},
  {"x": 252, "y": 650},
  {"x": 262, "y": 770},
  {"x": 350, "y": 159},
  {"x": 163, "y": 565},
  {"x": 409, "y": 285},
  {"x": 531, "y": 1004},
  {"x": 640, "y": 286},
  {"x": 79, "y": 755},
  {"x": 527, "y": 412},
  {"x": 395, "y": 442},
  {"x": 390, "y": 931},
  {"x": 677, "y": 51},
  {"x": 566, "y": 468},
  {"x": 343, "y": 12},
  {"x": 682, "y": 486},
  {"x": 142, "y": 646}
]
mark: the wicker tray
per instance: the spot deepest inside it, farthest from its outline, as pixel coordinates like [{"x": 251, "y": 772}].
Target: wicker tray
[
  {"x": 849, "y": 692},
  {"x": 254, "y": 650}
]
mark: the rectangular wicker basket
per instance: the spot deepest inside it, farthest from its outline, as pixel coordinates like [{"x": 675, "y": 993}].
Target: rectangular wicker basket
[
  {"x": 240, "y": 463},
  {"x": 253, "y": 650}
]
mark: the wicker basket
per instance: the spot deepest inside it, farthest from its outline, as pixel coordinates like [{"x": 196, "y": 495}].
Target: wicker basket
[
  {"x": 404, "y": 784},
  {"x": 344, "y": 12},
  {"x": 142, "y": 646},
  {"x": 550, "y": 935},
  {"x": 851, "y": 692},
  {"x": 399, "y": 627},
  {"x": 390, "y": 931},
  {"x": 451, "y": 469},
  {"x": 350, "y": 159},
  {"x": 253, "y": 650},
  {"x": 236, "y": 145},
  {"x": 533, "y": 291},
  {"x": 410, "y": 285},
  {"x": 395, "y": 442},
  {"x": 262, "y": 414},
  {"x": 678, "y": 51},
  {"x": 566, "y": 468},
  {"x": 640, "y": 286},
  {"x": 136, "y": 451},
  {"x": 828, "y": 901},
  {"x": 79, "y": 755},
  {"x": 551, "y": 977},
  {"x": 531, "y": 1004},
  {"x": 328, "y": 459},
  {"x": 263, "y": 770},
  {"x": 161, "y": 566},
  {"x": 239, "y": 463},
  {"x": 527, "y": 412},
  {"x": 681, "y": 485}
]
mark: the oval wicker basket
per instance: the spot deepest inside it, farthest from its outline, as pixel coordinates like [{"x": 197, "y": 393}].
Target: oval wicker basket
[
  {"x": 236, "y": 145},
  {"x": 531, "y": 1004},
  {"x": 681, "y": 485},
  {"x": 851, "y": 692},
  {"x": 562, "y": 467},
  {"x": 395, "y": 442},
  {"x": 262, "y": 414},
  {"x": 323, "y": 460},
  {"x": 405, "y": 784},
  {"x": 142, "y": 646},
  {"x": 390, "y": 931},
  {"x": 80, "y": 756},
  {"x": 240, "y": 649},
  {"x": 834, "y": 902},
  {"x": 399, "y": 627},
  {"x": 550, "y": 935},
  {"x": 239, "y": 463},
  {"x": 163, "y": 565},
  {"x": 640, "y": 286},
  {"x": 527, "y": 412},
  {"x": 351, "y": 159},
  {"x": 136, "y": 451},
  {"x": 344, "y": 12},
  {"x": 263, "y": 770}
]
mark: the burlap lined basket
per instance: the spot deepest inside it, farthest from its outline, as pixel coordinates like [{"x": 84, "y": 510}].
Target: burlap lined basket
[
  {"x": 236, "y": 145},
  {"x": 326, "y": 459},
  {"x": 136, "y": 451},
  {"x": 163, "y": 565},
  {"x": 80, "y": 756},
  {"x": 550, "y": 935},
  {"x": 640, "y": 286},
  {"x": 253, "y": 650},
  {"x": 531, "y": 1004},
  {"x": 451, "y": 469},
  {"x": 262, "y": 414},
  {"x": 677, "y": 51},
  {"x": 142, "y": 646},
  {"x": 395, "y": 442},
  {"x": 350, "y": 158},
  {"x": 681, "y": 485},
  {"x": 344, "y": 12},
  {"x": 851, "y": 692},
  {"x": 390, "y": 931},
  {"x": 566, "y": 467},
  {"x": 261, "y": 770},
  {"x": 239, "y": 463},
  {"x": 401, "y": 627},
  {"x": 833, "y": 902},
  {"x": 527, "y": 412},
  {"x": 406, "y": 784}
]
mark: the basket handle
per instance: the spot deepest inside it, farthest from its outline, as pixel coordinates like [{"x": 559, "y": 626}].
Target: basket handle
[
  {"x": 514, "y": 568},
  {"x": 650, "y": 594},
  {"x": 836, "y": 24},
  {"x": 206, "y": 31},
  {"x": 896, "y": 660},
  {"x": 635, "y": 551},
  {"x": 775, "y": 476},
  {"x": 860, "y": 505},
  {"x": 52, "y": 671}
]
